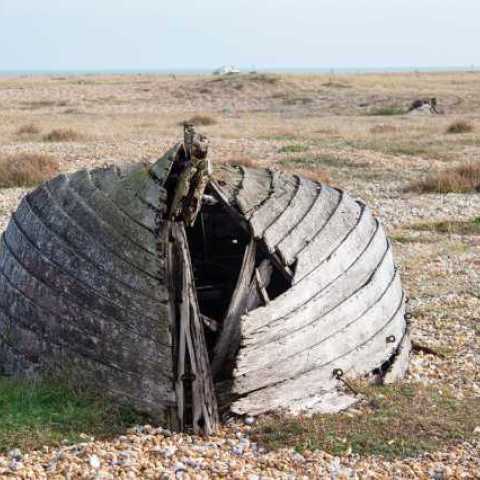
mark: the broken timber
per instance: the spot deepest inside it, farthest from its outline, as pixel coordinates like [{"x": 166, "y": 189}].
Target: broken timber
[{"x": 281, "y": 287}]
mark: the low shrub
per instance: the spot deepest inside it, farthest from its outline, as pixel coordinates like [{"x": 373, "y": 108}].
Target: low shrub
[
  {"x": 460, "y": 126},
  {"x": 26, "y": 169},
  {"x": 62, "y": 135}
]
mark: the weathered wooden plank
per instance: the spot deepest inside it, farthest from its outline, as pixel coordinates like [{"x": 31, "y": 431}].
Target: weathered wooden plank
[
  {"x": 399, "y": 367},
  {"x": 346, "y": 270},
  {"x": 100, "y": 231},
  {"x": 60, "y": 306},
  {"x": 78, "y": 267},
  {"x": 318, "y": 381},
  {"x": 254, "y": 190},
  {"x": 105, "y": 178},
  {"x": 66, "y": 228},
  {"x": 332, "y": 335},
  {"x": 283, "y": 190},
  {"x": 301, "y": 203},
  {"x": 204, "y": 404},
  {"x": 52, "y": 352},
  {"x": 109, "y": 212},
  {"x": 106, "y": 343},
  {"x": 229, "y": 339},
  {"x": 337, "y": 228},
  {"x": 139, "y": 195},
  {"x": 162, "y": 167},
  {"x": 229, "y": 180},
  {"x": 257, "y": 293},
  {"x": 64, "y": 286},
  {"x": 313, "y": 222}
]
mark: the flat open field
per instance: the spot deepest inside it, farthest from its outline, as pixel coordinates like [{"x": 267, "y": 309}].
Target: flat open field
[{"x": 350, "y": 131}]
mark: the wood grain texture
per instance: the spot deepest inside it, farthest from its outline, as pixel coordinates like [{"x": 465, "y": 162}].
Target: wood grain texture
[{"x": 254, "y": 190}]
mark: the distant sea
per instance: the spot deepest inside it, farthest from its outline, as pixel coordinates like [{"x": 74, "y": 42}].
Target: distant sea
[{"x": 286, "y": 70}]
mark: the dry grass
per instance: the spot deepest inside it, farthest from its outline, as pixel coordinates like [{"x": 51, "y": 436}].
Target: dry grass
[
  {"x": 460, "y": 126},
  {"x": 462, "y": 179},
  {"x": 383, "y": 128},
  {"x": 200, "y": 120},
  {"x": 62, "y": 135},
  {"x": 402, "y": 420},
  {"x": 243, "y": 162},
  {"x": 452, "y": 227},
  {"x": 28, "y": 129},
  {"x": 26, "y": 169},
  {"x": 315, "y": 174}
]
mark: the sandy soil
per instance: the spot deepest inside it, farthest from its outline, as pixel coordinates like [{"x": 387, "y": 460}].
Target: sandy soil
[{"x": 330, "y": 122}]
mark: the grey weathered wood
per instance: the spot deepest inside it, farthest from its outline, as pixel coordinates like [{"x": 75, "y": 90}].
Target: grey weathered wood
[
  {"x": 100, "y": 231},
  {"x": 289, "y": 219},
  {"x": 228, "y": 179},
  {"x": 318, "y": 381},
  {"x": 229, "y": 339},
  {"x": 399, "y": 367},
  {"x": 254, "y": 190},
  {"x": 78, "y": 266},
  {"x": 326, "y": 241},
  {"x": 329, "y": 336},
  {"x": 314, "y": 221},
  {"x": 257, "y": 294},
  {"x": 64, "y": 226},
  {"x": 355, "y": 260},
  {"x": 283, "y": 190},
  {"x": 204, "y": 404},
  {"x": 53, "y": 287},
  {"x": 109, "y": 212}
]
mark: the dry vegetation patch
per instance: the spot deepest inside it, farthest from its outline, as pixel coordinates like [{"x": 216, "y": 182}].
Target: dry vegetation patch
[
  {"x": 387, "y": 111},
  {"x": 453, "y": 227},
  {"x": 26, "y": 169},
  {"x": 460, "y": 126},
  {"x": 200, "y": 120},
  {"x": 462, "y": 179},
  {"x": 401, "y": 420},
  {"x": 62, "y": 135},
  {"x": 28, "y": 129}
]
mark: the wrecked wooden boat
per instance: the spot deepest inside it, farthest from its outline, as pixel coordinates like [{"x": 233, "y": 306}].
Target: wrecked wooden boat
[{"x": 281, "y": 290}]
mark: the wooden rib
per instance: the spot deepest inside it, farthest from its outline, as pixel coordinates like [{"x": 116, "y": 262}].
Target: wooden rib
[
  {"x": 67, "y": 288},
  {"x": 105, "y": 208},
  {"x": 254, "y": 189},
  {"x": 66, "y": 228},
  {"x": 319, "y": 381},
  {"x": 324, "y": 339},
  {"x": 229, "y": 179},
  {"x": 302, "y": 202},
  {"x": 314, "y": 221},
  {"x": 355, "y": 259},
  {"x": 283, "y": 190},
  {"x": 143, "y": 386},
  {"x": 99, "y": 230},
  {"x": 399, "y": 367},
  {"x": 229, "y": 339},
  {"x": 91, "y": 333},
  {"x": 204, "y": 404},
  {"x": 344, "y": 220},
  {"x": 79, "y": 266}
]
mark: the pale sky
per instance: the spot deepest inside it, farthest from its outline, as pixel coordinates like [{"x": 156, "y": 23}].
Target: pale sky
[{"x": 198, "y": 34}]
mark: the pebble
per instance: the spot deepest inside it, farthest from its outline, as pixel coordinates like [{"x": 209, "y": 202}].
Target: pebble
[{"x": 95, "y": 462}]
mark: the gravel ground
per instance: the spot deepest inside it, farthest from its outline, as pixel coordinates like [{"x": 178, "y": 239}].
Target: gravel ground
[
  {"x": 153, "y": 453},
  {"x": 126, "y": 120}
]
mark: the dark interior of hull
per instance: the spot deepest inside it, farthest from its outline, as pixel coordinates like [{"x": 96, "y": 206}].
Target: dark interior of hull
[{"x": 231, "y": 274}]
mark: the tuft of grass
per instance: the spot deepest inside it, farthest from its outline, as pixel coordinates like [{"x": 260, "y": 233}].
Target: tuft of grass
[
  {"x": 243, "y": 162},
  {"x": 403, "y": 420},
  {"x": 293, "y": 148},
  {"x": 386, "y": 111},
  {"x": 26, "y": 169},
  {"x": 62, "y": 135},
  {"x": 28, "y": 129},
  {"x": 462, "y": 179},
  {"x": 38, "y": 413},
  {"x": 471, "y": 227},
  {"x": 383, "y": 128},
  {"x": 200, "y": 120},
  {"x": 298, "y": 100},
  {"x": 460, "y": 126}
]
